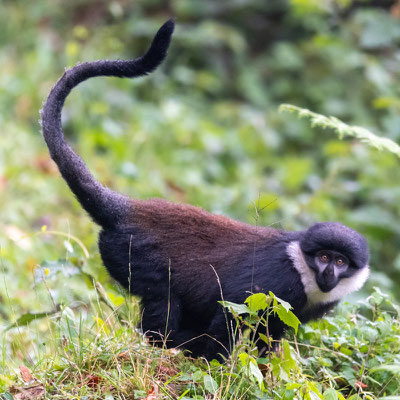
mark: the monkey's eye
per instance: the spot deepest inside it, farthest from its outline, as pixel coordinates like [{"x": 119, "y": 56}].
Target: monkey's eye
[
  {"x": 339, "y": 262},
  {"x": 324, "y": 258}
]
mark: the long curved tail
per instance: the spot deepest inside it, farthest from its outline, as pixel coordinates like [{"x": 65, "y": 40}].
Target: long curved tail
[{"x": 107, "y": 208}]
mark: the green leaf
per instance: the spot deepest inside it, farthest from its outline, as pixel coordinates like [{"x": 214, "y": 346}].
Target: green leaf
[
  {"x": 340, "y": 396},
  {"x": 392, "y": 368},
  {"x": 313, "y": 395},
  {"x": 255, "y": 371},
  {"x": 293, "y": 385},
  {"x": 25, "y": 319},
  {"x": 265, "y": 338},
  {"x": 210, "y": 384},
  {"x": 197, "y": 376},
  {"x": 312, "y": 387},
  {"x": 350, "y": 375},
  {"x": 257, "y": 302},
  {"x": 346, "y": 351},
  {"x": 250, "y": 362},
  {"x": 290, "y": 362},
  {"x": 330, "y": 394},
  {"x": 235, "y": 308},
  {"x": 287, "y": 317},
  {"x": 289, "y": 395},
  {"x": 284, "y": 303}
]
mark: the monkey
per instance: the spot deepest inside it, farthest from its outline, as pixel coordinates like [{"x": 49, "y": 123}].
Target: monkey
[{"x": 181, "y": 260}]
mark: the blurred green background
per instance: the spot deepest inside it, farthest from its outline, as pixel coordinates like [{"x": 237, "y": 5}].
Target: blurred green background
[{"x": 204, "y": 129}]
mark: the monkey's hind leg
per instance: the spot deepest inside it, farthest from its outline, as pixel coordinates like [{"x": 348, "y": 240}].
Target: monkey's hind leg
[
  {"x": 215, "y": 341},
  {"x": 161, "y": 317}
]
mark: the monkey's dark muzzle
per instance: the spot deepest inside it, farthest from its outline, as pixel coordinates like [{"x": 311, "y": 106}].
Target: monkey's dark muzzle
[{"x": 326, "y": 280}]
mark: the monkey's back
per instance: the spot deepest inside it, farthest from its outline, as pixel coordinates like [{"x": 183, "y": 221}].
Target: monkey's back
[{"x": 193, "y": 245}]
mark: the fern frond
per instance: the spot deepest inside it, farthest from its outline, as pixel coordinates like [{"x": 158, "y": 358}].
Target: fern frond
[{"x": 342, "y": 129}]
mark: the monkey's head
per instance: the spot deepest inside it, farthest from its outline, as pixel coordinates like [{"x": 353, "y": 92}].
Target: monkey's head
[{"x": 334, "y": 252}]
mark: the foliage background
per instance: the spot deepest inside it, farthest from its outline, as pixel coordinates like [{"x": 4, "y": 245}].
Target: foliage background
[{"x": 204, "y": 129}]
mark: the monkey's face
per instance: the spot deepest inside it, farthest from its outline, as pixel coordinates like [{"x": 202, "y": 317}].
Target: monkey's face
[
  {"x": 335, "y": 252},
  {"x": 329, "y": 267}
]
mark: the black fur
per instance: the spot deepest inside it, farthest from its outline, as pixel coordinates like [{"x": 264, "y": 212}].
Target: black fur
[
  {"x": 178, "y": 258},
  {"x": 339, "y": 237},
  {"x": 106, "y": 207},
  {"x": 253, "y": 264},
  {"x": 194, "y": 292}
]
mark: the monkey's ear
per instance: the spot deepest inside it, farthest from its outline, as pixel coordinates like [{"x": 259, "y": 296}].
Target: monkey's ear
[{"x": 159, "y": 46}]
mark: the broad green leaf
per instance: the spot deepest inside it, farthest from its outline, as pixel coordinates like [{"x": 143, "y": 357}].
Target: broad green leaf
[
  {"x": 244, "y": 358},
  {"x": 276, "y": 365},
  {"x": 257, "y": 302},
  {"x": 313, "y": 395},
  {"x": 250, "y": 362},
  {"x": 330, "y": 394},
  {"x": 312, "y": 386},
  {"x": 255, "y": 371},
  {"x": 289, "y": 362},
  {"x": 349, "y": 374},
  {"x": 197, "y": 376},
  {"x": 210, "y": 384},
  {"x": 288, "y": 317},
  {"x": 284, "y": 303},
  {"x": 236, "y": 308}
]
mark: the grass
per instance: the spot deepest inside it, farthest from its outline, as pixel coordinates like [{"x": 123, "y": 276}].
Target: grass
[{"x": 90, "y": 349}]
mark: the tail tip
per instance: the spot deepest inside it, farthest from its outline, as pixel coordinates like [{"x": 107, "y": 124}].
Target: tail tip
[
  {"x": 167, "y": 28},
  {"x": 159, "y": 47}
]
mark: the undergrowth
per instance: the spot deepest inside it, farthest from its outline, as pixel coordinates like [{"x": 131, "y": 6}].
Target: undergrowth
[{"x": 93, "y": 350}]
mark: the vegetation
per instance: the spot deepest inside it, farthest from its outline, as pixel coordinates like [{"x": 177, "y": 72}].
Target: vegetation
[{"x": 204, "y": 129}]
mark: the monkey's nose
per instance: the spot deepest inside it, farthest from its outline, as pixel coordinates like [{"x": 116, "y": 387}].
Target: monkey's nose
[{"x": 328, "y": 273}]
